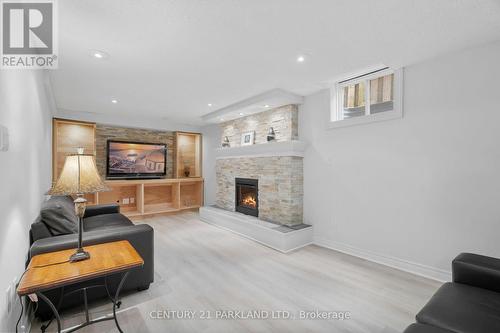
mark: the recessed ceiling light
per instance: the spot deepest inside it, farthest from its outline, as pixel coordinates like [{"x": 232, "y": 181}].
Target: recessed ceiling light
[
  {"x": 114, "y": 101},
  {"x": 209, "y": 104},
  {"x": 99, "y": 54},
  {"x": 241, "y": 113},
  {"x": 301, "y": 58},
  {"x": 266, "y": 106}
]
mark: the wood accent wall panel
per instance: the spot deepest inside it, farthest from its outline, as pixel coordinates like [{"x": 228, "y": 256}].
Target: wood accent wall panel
[
  {"x": 67, "y": 136},
  {"x": 188, "y": 154}
]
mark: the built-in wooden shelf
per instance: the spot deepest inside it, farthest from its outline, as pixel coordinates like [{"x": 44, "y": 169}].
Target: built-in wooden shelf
[
  {"x": 152, "y": 196},
  {"x": 160, "y": 208},
  {"x": 67, "y": 136},
  {"x": 188, "y": 155}
]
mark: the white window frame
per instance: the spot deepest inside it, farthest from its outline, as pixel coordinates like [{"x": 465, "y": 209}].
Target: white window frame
[{"x": 336, "y": 109}]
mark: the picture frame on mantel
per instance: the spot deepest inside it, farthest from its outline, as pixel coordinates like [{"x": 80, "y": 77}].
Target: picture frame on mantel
[{"x": 248, "y": 138}]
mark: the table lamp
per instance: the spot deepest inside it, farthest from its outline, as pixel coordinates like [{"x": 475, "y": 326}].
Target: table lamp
[{"x": 78, "y": 177}]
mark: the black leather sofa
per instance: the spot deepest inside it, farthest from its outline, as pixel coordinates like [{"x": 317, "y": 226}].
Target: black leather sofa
[
  {"x": 54, "y": 230},
  {"x": 469, "y": 304}
]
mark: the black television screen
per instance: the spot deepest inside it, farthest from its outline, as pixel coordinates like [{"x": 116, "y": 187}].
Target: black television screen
[{"x": 136, "y": 160}]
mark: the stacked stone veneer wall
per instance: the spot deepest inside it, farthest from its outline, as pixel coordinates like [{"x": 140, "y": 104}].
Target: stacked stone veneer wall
[
  {"x": 105, "y": 132},
  {"x": 280, "y": 185},
  {"x": 284, "y": 120}
]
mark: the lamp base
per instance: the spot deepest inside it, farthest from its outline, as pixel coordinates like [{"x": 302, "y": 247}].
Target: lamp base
[{"x": 79, "y": 256}]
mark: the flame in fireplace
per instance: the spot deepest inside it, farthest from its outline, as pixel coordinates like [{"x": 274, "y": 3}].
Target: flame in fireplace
[{"x": 249, "y": 201}]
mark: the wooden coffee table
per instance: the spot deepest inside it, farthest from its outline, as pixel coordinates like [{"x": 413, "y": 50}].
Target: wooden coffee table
[{"x": 53, "y": 270}]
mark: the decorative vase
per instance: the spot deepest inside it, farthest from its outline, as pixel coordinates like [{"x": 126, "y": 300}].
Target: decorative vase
[{"x": 271, "y": 135}]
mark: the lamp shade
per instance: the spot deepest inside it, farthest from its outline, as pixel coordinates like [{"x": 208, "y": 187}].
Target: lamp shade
[{"x": 79, "y": 176}]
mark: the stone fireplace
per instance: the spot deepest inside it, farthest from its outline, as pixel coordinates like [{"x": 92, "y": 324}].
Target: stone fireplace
[
  {"x": 260, "y": 186},
  {"x": 247, "y": 196},
  {"x": 280, "y": 180},
  {"x": 275, "y": 167}
]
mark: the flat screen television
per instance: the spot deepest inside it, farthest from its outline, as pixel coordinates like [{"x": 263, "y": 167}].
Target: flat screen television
[{"x": 136, "y": 160}]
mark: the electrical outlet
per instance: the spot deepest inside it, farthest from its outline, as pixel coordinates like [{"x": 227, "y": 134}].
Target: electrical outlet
[
  {"x": 125, "y": 201},
  {"x": 132, "y": 200},
  {"x": 8, "y": 299}
]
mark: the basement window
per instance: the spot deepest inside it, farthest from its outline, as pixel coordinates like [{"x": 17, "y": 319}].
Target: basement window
[{"x": 367, "y": 97}]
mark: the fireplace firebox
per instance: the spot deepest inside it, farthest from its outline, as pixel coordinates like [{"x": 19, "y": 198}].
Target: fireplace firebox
[{"x": 247, "y": 196}]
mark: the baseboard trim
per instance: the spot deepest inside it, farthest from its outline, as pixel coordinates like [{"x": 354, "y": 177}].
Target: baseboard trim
[{"x": 401, "y": 264}]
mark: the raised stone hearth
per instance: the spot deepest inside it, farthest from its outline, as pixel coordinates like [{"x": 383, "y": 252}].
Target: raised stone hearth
[{"x": 279, "y": 237}]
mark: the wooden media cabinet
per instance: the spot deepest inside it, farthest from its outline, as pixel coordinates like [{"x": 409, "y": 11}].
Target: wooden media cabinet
[{"x": 152, "y": 196}]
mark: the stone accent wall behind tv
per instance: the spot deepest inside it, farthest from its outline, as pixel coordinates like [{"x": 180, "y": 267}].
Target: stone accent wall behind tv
[{"x": 106, "y": 132}]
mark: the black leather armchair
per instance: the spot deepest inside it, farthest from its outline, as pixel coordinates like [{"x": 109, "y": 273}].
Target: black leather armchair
[
  {"x": 477, "y": 271},
  {"x": 469, "y": 304},
  {"x": 102, "y": 224}
]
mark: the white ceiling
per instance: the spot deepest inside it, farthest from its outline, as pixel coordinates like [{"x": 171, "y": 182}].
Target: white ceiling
[{"x": 170, "y": 58}]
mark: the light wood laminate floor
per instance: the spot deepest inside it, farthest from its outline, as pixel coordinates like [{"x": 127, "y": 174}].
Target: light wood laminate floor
[{"x": 200, "y": 267}]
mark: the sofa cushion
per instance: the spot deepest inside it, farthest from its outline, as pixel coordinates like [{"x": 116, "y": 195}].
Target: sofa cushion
[
  {"x": 105, "y": 221},
  {"x": 421, "y": 328},
  {"x": 58, "y": 214},
  {"x": 463, "y": 309},
  {"x": 39, "y": 230}
]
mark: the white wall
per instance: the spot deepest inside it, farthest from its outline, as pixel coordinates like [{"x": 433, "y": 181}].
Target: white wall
[
  {"x": 211, "y": 141},
  {"x": 26, "y": 110},
  {"x": 414, "y": 192}
]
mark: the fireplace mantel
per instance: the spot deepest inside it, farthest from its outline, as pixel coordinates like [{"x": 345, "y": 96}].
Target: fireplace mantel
[{"x": 283, "y": 148}]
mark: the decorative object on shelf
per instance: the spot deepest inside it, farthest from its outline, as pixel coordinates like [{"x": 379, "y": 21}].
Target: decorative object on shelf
[
  {"x": 225, "y": 142},
  {"x": 271, "y": 135},
  {"x": 247, "y": 139},
  {"x": 187, "y": 170},
  {"x": 79, "y": 176}
]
